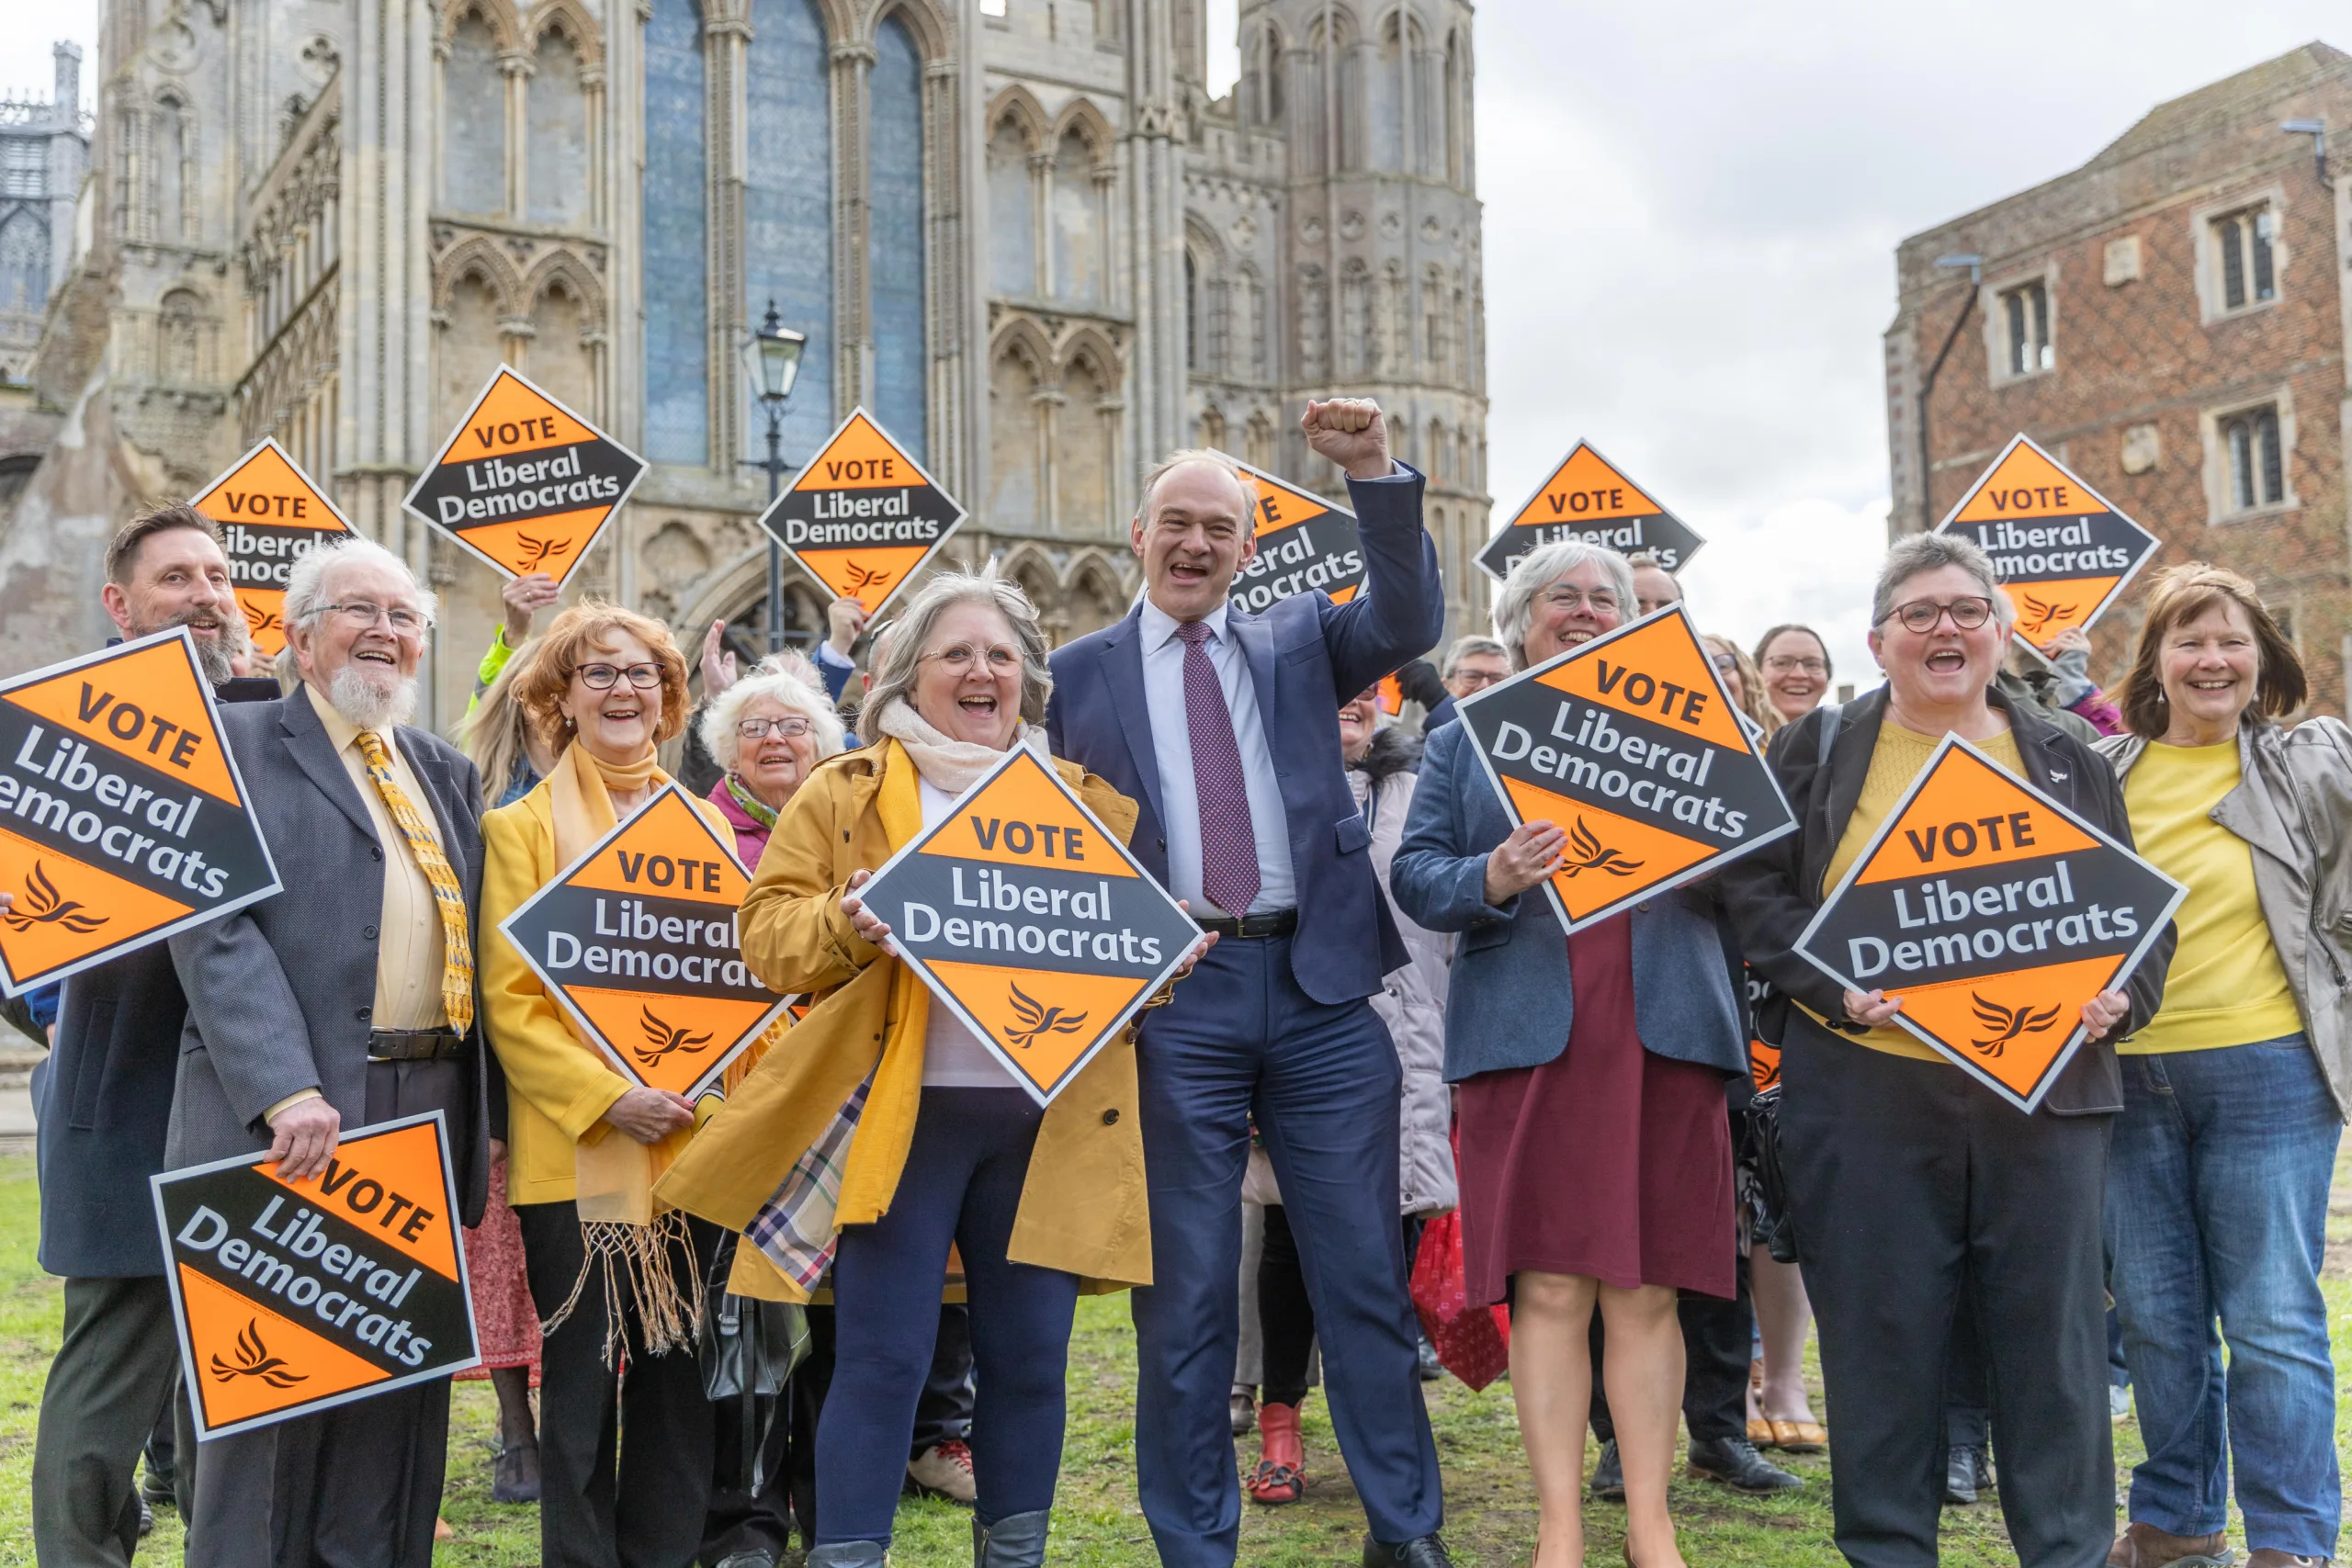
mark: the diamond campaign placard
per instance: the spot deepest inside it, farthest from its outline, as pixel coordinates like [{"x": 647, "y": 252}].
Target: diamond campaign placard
[
  {"x": 292, "y": 1297},
  {"x": 524, "y": 482},
  {"x": 271, "y": 515},
  {"x": 1304, "y": 543},
  {"x": 1995, "y": 913},
  {"x": 122, "y": 816},
  {"x": 863, "y": 517},
  {"x": 637, "y": 941},
  {"x": 2061, "y": 551},
  {"x": 1028, "y": 918},
  {"x": 1629, "y": 745},
  {"x": 1588, "y": 498}
]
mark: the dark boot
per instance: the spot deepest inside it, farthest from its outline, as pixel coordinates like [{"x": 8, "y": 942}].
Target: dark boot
[
  {"x": 1017, "y": 1540},
  {"x": 1609, "y": 1474},
  {"x": 1735, "y": 1463}
]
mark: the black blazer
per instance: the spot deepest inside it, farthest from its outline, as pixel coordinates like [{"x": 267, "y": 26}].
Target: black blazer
[
  {"x": 1773, "y": 893},
  {"x": 103, "y": 1101}
]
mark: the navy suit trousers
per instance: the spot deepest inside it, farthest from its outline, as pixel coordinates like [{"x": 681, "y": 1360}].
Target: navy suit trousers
[{"x": 1240, "y": 1040}]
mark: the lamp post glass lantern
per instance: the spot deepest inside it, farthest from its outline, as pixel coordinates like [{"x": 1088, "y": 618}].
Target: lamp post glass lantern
[{"x": 772, "y": 361}]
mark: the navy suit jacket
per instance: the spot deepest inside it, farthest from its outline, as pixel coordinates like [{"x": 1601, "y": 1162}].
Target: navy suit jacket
[{"x": 1306, "y": 656}]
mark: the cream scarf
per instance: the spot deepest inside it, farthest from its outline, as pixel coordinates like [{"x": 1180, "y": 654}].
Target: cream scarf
[
  {"x": 613, "y": 1173},
  {"x": 945, "y": 763}
]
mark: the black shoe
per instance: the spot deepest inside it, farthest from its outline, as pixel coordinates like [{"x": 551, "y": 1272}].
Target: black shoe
[
  {"x": 1421, "y": 1551},
  {"x": 1431, "y": 1367},
  {"x": 1735, "y": 1463},
  {"x": 1965, "y": 1470},
  {"x": 1608, "y": 1476},
  {"x": 146, "y": 1519}
]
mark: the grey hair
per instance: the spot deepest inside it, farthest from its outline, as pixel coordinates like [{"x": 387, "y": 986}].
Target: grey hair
[
  {"x": 1538, "y": 569},
  {"x": 784, "y": 678},
  {"x": 305, "y": 590},
  {"x": 1177, "y": 459},
  {"x": 1916, "y": 553},
  {"x": 1471, "y": 647},
  {"x": 893, "y": 680}
]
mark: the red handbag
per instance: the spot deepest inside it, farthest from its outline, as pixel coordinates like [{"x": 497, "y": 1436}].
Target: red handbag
[{"x": 1474, "y": 1342}]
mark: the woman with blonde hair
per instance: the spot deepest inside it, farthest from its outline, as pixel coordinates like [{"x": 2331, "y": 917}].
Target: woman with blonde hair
[
  {"x": 2236, "y": 1092},
  {"x": 623, "y": 1464},
  {"x": 1746, "y": 681},
  {"x": 945, "y": 1148}
]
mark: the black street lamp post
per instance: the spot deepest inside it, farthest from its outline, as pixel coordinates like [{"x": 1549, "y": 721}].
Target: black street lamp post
[{"x": 772, "y": 355}]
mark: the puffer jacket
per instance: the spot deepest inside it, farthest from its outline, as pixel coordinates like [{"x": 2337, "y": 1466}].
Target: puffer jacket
[
  {"x": 1411, "y": 999},
  {"x": 2294, "y": 805}
]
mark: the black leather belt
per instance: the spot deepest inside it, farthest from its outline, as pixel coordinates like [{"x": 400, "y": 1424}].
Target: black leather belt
[
  {"x": 412, "y": 1045},
  {"x": 1250, "y": 928}
]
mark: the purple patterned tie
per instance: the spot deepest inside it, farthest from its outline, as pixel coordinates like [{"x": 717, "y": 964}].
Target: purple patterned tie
[{"x": 1228, "y": 847}]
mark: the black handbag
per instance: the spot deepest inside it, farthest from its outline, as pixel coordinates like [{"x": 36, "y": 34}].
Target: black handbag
[
  {"x": 1774, "y": 1227},
  {"x": 748, "y": 1349}
]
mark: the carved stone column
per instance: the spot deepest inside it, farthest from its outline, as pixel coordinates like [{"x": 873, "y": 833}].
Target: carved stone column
[{"x": 852, "y": 222}]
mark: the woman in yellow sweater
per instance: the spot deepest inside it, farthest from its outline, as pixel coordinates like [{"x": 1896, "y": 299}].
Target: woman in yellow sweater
[
  {"x": 2235, "y": 1094},
  {"x": 608, "y": 1268}
]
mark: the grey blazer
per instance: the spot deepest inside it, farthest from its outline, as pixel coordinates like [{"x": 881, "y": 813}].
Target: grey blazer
[
  {"x": 1511, "y": 1002},
  {"x": 279, "y": 993}
]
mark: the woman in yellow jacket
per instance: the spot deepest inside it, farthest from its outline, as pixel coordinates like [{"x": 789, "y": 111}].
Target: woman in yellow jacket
[
  {"x": 609, "y": 1271},
  {"x": 946, "y": 1148}
]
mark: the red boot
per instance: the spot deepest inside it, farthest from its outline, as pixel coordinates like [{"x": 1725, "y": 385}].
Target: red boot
[{"x": 1281, "y": 1473}]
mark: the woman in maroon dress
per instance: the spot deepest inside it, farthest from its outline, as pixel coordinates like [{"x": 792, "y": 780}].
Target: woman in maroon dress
[{"x": 1596, "y": 1160}]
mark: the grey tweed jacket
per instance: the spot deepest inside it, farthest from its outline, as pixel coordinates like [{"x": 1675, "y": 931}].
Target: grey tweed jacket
[{"x": 279, "y": 993}]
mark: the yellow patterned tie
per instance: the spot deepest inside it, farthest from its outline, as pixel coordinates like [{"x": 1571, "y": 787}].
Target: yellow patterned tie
[{"x": 448, "y": 897}]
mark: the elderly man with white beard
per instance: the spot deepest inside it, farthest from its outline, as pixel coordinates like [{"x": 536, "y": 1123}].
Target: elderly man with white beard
[{"x": 347, "y": 1000}]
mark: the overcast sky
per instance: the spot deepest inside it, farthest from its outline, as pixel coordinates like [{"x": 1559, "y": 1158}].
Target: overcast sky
[{"x": 1691, "y": 210}]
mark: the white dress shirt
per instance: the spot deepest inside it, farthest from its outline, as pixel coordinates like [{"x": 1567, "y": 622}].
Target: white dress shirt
[{"x": 1171, "y": 738}]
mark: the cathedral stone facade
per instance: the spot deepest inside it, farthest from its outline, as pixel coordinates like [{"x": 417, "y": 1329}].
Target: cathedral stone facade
[{"x": 1019, "y": 231}]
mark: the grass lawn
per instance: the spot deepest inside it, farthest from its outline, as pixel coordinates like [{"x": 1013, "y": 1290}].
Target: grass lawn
[{"x": 1490, "y": 1508}]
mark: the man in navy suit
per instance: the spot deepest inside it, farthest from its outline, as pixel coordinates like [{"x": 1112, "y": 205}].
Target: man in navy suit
[{"x": 1224, "y": 726}]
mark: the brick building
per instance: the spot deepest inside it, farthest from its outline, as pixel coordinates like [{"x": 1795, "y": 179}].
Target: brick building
[{"x": 2171, "y": 319}]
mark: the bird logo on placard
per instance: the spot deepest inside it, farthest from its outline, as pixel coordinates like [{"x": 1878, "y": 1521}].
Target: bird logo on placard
[
  {"x": 2008, "y": 1023},
  {"x": 1038, "y": 1021},
  {"x": 2042, "y": 617},
  {"x": 540, "y": 551},
  {"x": 1587, "y": 854},
  {"x": 43, "y": 906},
  {"x": 254, "y": 1360},
  {"x": 258, "y": 620},
  {"x": 663, "y": 1038},
  {"x": 858, "y": 578}
]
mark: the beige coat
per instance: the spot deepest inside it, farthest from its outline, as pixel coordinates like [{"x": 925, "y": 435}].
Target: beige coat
[
  {"x": 2294, "y": 805},
  {"x": 1083, "y": 1208}
]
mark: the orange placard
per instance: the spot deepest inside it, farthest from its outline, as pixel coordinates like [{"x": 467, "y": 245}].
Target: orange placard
[
  {"x": 1304, "y": 543},
  {"x": 1631, "y": 745},
  {"x": 2062, "y": 550},
  {"x": 1028, "y": 918},
  {"x": 122, "y": 817},
  {"x": 271, "y": 515},
  {"x": 637, "y": 940},
  {"x": 1588, "y": 498},
  {"x": 295, "y": 1296},
  {"x": 1995, "y": 913},
  {"x": 524, "y": 482},
  {"x": 863, "y": 516}
]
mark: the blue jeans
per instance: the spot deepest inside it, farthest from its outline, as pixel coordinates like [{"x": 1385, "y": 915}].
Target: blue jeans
[
  {"x": 2217, "y": 1209},
  {"x": 966, "y": 1168}
]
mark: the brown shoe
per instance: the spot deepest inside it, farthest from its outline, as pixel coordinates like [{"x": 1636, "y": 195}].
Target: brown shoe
[{"x": 2145, "y": 1546}]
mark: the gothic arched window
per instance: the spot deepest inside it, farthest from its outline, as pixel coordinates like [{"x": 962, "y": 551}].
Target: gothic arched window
[
  {"x": 557, "y": 180},
  {"x": 473, "y": 107}
]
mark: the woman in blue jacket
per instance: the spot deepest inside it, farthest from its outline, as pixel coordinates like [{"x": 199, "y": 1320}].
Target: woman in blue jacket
[{"x": 1596, "y": 1160}]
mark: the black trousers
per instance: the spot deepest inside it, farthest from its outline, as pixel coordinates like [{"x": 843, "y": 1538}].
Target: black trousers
[
  {"x": 1909, "y": 1186},
  {"x": 608, "y": 1500},
  {"x": 112, "y": 1379},
  {"x": 356, "y": 1487}
]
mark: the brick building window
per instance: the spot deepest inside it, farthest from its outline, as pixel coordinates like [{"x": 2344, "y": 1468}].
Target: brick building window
[
  {"x": 2242, "y": 250},
  {"x": 2257, "y": 468},
  {"x": 2025, "y": 314}
]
